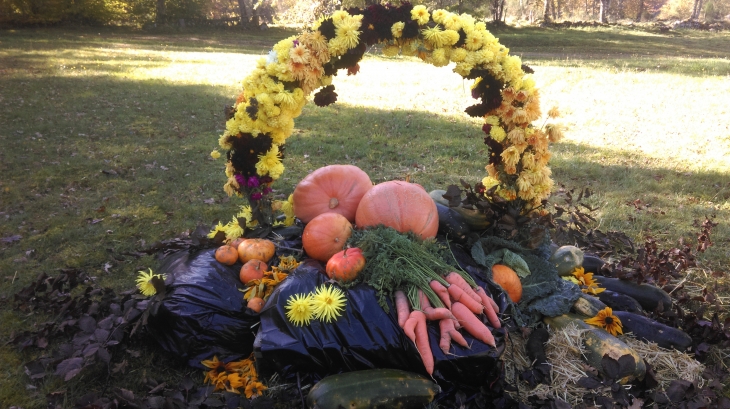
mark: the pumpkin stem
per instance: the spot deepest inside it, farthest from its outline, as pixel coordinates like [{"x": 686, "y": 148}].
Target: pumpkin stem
[{"x": 334, "y": 202}]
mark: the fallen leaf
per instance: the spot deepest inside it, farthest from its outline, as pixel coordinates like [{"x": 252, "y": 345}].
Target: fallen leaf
[
  {"x": 13, "y": 238},
  {"x": 209, "y": 201}
]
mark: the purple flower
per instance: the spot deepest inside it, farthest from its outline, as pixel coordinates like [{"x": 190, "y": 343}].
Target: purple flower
[
  {"x": 240, "y": 179},
  {"x": 256, "y": 196},
  {"x": 267, "y": 190},
  {"x": 253, "y": 182}
]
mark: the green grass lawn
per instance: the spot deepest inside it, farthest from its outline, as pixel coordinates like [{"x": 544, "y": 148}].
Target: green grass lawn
[{"x": 105, "y": 141}]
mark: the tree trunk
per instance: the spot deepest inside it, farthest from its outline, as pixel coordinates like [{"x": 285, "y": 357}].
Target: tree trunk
[
  {"x": 621, "y": 13},
  {"x": 547, "y": 6},
  {"x": 696, "y": 9},
  {"x": 640, "y": 13},
  {"x": 242, "y": 14},
  {"x": 161, "y": 14},
  {"x": 603, "y": 11},
  {"x": 558, "y": 11}
]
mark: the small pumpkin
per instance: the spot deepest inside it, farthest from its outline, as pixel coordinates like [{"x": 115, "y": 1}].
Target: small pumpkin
[
  {"x": 325, "y": 235},
  {"x": 345, "y": 265},
  {"x": 252, "y": 270},
  {"x": 226, "y": 255},
  {"x": 401, "y": 205},
  {"x": 566, "y": 259},
  {"x": 259, "y": 249},
  {"x": 508, "y": 280},
  {"x": 256, "y": 304},
  {"x": 333, "y": 188}
]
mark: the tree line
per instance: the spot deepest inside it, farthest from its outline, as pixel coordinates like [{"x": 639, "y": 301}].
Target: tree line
[{"x": 251, "y": 13}]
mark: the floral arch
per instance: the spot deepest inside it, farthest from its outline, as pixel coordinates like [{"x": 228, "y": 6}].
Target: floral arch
[{"x": 277, "y": 90}]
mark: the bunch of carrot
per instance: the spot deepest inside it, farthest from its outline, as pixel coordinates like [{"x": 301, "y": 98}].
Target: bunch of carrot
[{"x": 458, "y": 305}]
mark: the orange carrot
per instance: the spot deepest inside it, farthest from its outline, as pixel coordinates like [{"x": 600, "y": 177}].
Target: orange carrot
[
  {"x": 445, "y": 339},
  {"x": 401, "y": 307},
  {"x": 449, "y": 333},
  {"x": 489, "y": 304},
  {"x": 410, "y": 325},
  {"x": 433, "y": 314},
  {"x": 455, "y": 278},
  {"x": 422, "y": 344},
  {"x": 441, "y": 291},
  {"x": 458, "y": 294},
  {"x": 472, "y": 324}
]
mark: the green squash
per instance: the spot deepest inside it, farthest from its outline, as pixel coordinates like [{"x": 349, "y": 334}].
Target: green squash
[{"x": 372, "y": 389}]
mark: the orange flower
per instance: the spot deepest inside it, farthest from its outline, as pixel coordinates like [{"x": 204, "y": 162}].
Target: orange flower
[
  {"x": 606, "y": 320},
  {"x": 254, "y": 389}
]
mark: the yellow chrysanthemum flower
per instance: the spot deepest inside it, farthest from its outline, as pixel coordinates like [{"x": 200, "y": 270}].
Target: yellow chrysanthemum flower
[
  {"x": 439, "y": 15},
  {"x": 299, "y": 309},
  {"x": 349, "y": 34},
  {"x": 606, "y": 320},
  {"x": 489, "y": 182},
  {"x": 268, "y": 161},
  {"x": 233, "y": 229},
  {"x": 554, "y": 112},
  {"x": 144, "y": 282},
  {"x": 497, "y": 133},
  {"x": 435, "y": 37},
  {"x": 420, "y": 14},
  {"x": 458, "y": 54},
  {"x": 215, "y": 154},
  {"x": 511, "y": 156},
  {"x": 397, "y": 29},
  {"x": 328, "y": 302}
]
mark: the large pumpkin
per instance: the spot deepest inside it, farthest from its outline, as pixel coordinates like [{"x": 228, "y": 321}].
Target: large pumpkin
[
  {"x": 326, "y": 235},
  {"x": 333, "y": 188},
  {"x": 401, "y": 205}
]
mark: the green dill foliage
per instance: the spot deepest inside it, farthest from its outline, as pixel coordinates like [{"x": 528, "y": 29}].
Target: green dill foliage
[{"x": 402, "y": 261}]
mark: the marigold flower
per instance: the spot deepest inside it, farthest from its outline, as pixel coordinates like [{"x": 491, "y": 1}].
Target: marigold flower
[{"x": 606, "y": 320}]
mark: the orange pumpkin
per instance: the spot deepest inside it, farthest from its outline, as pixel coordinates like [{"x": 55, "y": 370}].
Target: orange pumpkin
[
  {"x": 508, "y": 280},
  {"x": 333, "y": 188},
  {"x": 345, "y": 265},
  {"x": 325, "y": 235},
  {"x": 256, "y": 304},
  {"x": 259, "y": 249},
  {"x": 401, "y": 205},
  {"x": 226, "y": 255},
  {"x": 252, "y": 270},
  {"x": 236, "y": 242}
]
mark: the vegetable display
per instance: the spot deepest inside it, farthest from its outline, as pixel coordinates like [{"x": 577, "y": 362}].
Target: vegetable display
[{"x": 426, "y": 285}]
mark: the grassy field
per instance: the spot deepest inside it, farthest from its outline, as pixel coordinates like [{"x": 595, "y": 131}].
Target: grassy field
[{"x": 105, "y": 139}]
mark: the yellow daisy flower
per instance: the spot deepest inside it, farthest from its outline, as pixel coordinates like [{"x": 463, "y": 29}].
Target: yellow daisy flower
[
  {"x": 606, "y": 320},
  {"x": 328, "y": 302},
  {"x": 420, "y": 14},
  {"x": 299, "y": 309}
]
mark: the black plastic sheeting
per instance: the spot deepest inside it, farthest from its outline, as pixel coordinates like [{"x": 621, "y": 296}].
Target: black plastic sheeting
[
  {"x": 203, "y": 314},
  {"x": 364, "y": 337}
]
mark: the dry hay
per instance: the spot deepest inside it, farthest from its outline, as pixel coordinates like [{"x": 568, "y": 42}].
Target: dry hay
[
  {"x": 564, "y": 352},
  {"x": 668, "y": 364}
]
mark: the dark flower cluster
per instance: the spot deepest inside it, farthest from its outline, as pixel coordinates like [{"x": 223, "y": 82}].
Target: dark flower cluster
[
  {"x": 245, "y": 151},
  {"x": 378, "y": 19},
  {"x": 489, "y": 90},
  {"x": 325, "y": 96}
]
